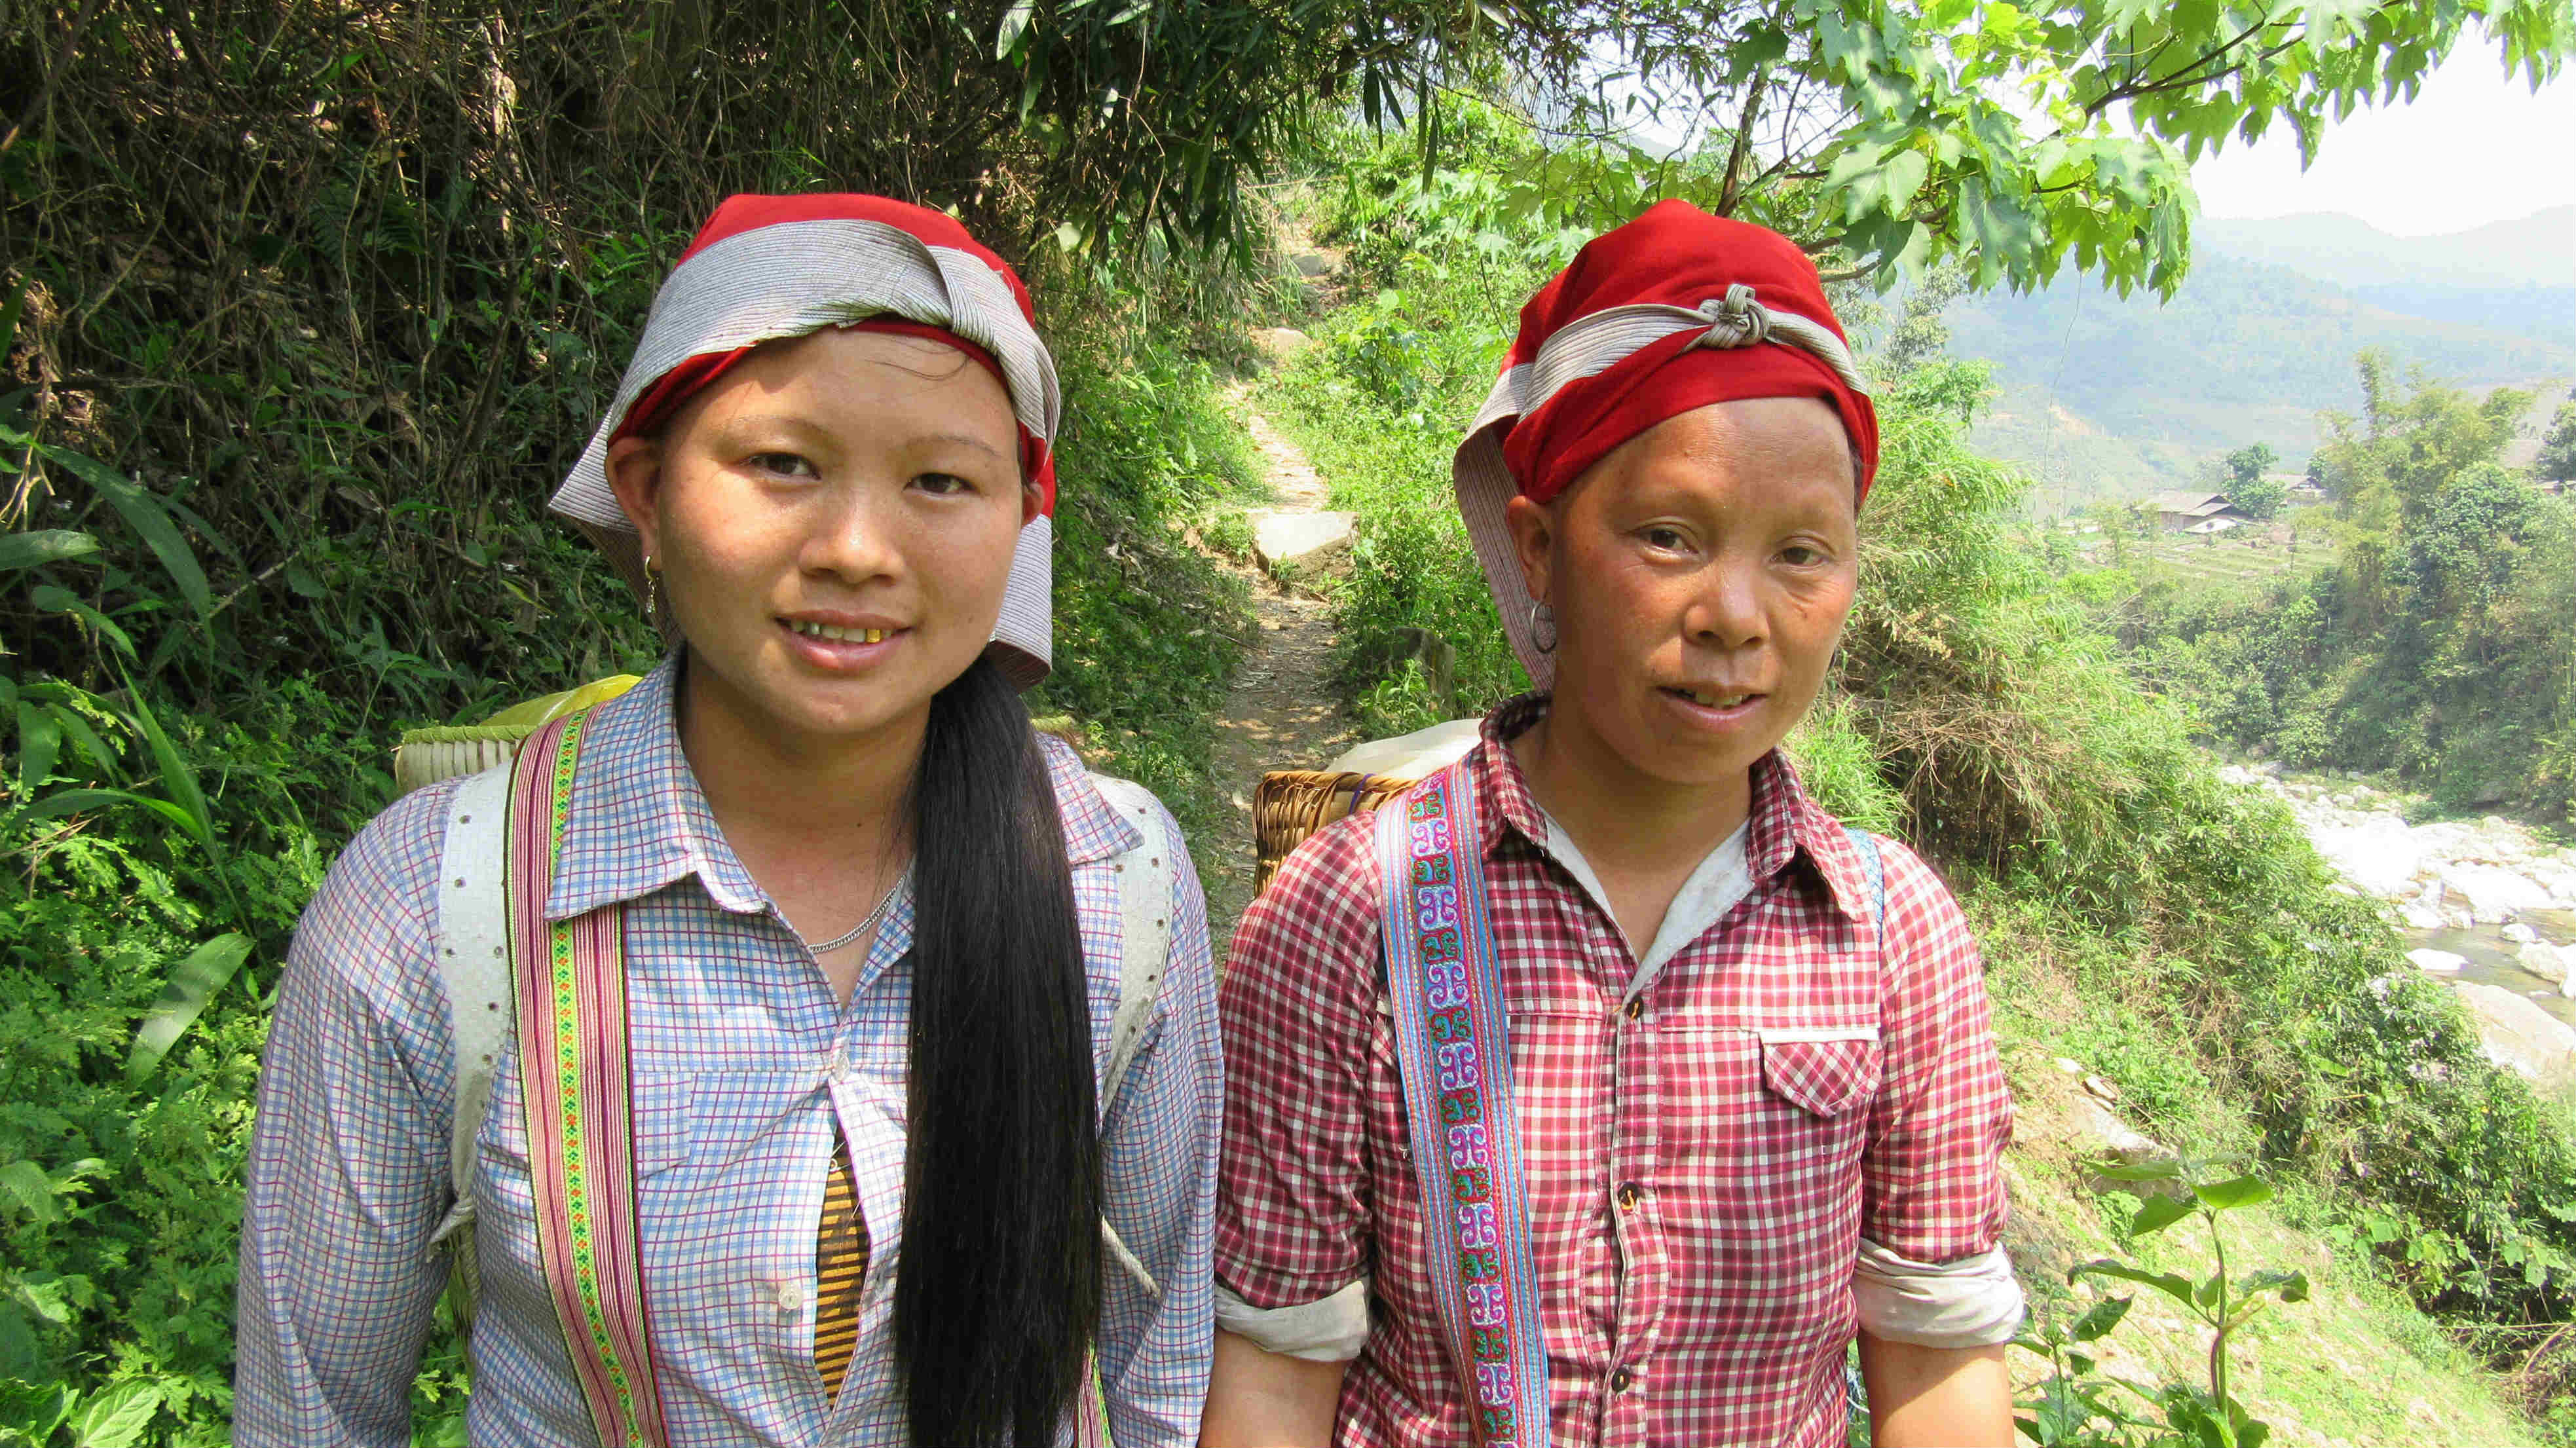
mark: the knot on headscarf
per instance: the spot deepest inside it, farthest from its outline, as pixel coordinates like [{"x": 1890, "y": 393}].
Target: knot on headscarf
[
  {"x": 1737, "y": 320},
  {"x": 1674, "y": 311}
]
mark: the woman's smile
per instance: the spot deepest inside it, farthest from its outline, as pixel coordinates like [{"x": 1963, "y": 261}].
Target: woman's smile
[{"x": 841, "y": 643}]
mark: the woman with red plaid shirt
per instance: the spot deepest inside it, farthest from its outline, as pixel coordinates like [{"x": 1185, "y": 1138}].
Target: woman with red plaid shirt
[{"x": 1748, "y": 1105}]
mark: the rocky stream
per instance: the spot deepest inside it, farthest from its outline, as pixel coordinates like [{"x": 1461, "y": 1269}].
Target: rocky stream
[{"x": 2487, "y": 905}]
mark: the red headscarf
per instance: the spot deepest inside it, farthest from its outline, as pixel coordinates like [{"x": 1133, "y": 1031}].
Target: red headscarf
[
  {"x": 1676, "y": 310},
  {"x": 1677, "y": 255}
]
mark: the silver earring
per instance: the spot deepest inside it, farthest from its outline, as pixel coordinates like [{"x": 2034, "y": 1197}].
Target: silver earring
[
  {"x": 1543, "y": 642},
  {"x": 652, "y": 618}
]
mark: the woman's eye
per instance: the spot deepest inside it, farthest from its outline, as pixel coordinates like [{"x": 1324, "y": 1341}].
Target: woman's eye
[
  {"x": 942, "y": 484},
  {"x": 785, "y": 465},
  {"x": 1669, "y": 540},
  {"x": 1799, "y": 555}
]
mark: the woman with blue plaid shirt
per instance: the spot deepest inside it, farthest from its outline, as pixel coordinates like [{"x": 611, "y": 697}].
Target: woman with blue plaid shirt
[{"x": 872, "y": 931}]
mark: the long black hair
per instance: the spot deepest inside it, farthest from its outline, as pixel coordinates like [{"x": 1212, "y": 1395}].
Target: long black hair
[{"x": 998, "y": 1292}]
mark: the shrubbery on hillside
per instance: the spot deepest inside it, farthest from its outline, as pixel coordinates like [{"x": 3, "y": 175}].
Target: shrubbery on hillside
[{"x": 2438, "y": 646}]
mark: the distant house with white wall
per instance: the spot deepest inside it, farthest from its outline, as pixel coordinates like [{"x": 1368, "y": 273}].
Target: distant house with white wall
[{"x": 2194, "y": 512}]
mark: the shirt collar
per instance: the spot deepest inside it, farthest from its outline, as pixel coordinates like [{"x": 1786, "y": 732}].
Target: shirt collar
[
  {"x": 1783, "y": 823},
  {"x": 640, "y": 822}
]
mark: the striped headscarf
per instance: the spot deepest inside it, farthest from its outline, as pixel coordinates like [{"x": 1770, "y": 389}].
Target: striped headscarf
[{"x": 769, "y": 268}]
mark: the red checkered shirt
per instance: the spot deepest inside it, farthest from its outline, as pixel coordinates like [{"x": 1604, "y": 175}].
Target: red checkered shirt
[{"x": 1702, "y": 1161}]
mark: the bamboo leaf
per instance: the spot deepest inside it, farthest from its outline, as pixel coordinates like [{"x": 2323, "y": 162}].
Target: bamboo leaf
[
  {"x": 178, "y": 780},
  {"x": 192, "y": 983},
  {"x": 43, "y": 545},
  {"x": 61, "y": 600},
  {"x": 146, "y": 515}
]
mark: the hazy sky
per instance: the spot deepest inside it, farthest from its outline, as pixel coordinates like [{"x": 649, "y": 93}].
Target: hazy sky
[{"x": 2474, "y": 147}]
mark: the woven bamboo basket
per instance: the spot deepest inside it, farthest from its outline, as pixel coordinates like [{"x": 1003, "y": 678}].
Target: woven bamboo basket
[
  {"x": 1290, "y": 804},
  {"x": 444, "y": 751}
]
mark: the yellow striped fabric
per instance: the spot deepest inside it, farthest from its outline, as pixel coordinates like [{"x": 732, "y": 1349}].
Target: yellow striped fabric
[{"x": 840, "y": 1266}]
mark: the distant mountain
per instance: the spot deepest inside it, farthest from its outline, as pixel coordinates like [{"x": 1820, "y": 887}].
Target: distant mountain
[
  {"x": 2104, "y": 396},
  {"x": 2536, "y": 251},
  {"x": 2546, "y": 314}
]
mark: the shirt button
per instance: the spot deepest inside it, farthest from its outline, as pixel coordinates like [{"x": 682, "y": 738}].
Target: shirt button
[
  {"x": 1636, "y": 1009},
  {"x": 1622, "y": 1380},
  {"x": 836, "y": 1065},
  {"x": 791, "y": 1295},
  {"x": 1630, "y": 1194}
]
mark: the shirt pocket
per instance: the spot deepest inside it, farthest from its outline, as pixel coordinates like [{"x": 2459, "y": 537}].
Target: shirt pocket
[
  {"x": 1823, "y": 1070},
  {"x": 1760, "y": 1146}
]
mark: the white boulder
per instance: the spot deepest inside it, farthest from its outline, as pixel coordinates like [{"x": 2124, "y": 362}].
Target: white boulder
[
  {"x": 2379, "y": 856},
  {"x": 2521, "y": 1036},
  {"x": 1301, "y": 540},
  {"x": 2438, "y": 962},
  {"x": 2519, "y": 933},
  {"x": 2492, "y": 895}
]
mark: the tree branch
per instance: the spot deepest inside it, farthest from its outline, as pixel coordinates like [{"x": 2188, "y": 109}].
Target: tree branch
[{"x": 1734, "y": 188}]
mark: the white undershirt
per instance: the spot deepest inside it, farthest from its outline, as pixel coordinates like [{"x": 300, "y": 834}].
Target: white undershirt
[{"x": 1721, "y": 880}]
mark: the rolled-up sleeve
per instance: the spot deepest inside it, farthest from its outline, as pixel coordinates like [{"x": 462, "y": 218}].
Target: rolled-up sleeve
[
  {"x": 1159, "y": 1165},
  {"x": 348, "y": 1172},
  {"x": 1933, "y": 1205},
  {"x": 1293, "y": 1216}
]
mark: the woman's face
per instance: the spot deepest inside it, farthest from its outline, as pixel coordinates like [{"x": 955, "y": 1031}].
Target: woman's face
[
  {"x": 834, "y": 519},
  {"x": 1700, "y": 575}
]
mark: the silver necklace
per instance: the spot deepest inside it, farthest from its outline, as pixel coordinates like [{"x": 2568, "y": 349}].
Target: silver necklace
[{"x": 864, "y": 926}]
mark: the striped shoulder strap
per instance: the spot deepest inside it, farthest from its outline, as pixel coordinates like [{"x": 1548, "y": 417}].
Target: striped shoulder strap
[
  {"x": 1874, "y": 865},
  {"x": 568, "y": 991},
  {"x": 1444, "y": 985}
]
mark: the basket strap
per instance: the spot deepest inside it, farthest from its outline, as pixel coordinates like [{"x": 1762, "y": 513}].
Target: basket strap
[
  {"x": 474, "y": 965},
  {"x": 575, "y": 1073},
  {"x": 1444, "y": 984}
]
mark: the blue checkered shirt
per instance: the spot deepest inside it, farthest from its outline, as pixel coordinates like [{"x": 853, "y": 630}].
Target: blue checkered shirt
[{"x": 745, "y": 1071}]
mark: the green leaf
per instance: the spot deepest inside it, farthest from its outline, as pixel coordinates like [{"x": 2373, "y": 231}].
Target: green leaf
[
  {"x": 115, "y": 1416},
  {"x": 33, "y": 1410},
  {"x": 40, "y": 742},
  {"x": 2292, "y": 1285},
  {"x": 183, "y": 998},
  {"x": 1015, "y": 26},
  {"x": 2161, "y": 1170},
  {"x": 178, "y": 781},
  {"x": 2227, "y": 1196},
  {"x": 2100, "y": 1319},
  {"x": 2170, "y": 1284},
  {"x": 1905, "y": 172},
  {"x": 44, "y": 545},
  {"x": 32, "y": 1190},
  {"x": 145, "y": 514},
  {"x": 2157, "y": 1213},
  {"x": 61, "y": 600}
]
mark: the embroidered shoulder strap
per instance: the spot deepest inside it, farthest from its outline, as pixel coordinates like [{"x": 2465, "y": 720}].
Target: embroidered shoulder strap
[
  {"x": 569, "y": 986},
  {"x": 1875, "y": 865},
  {"x": 1452, "y": 1050}
]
